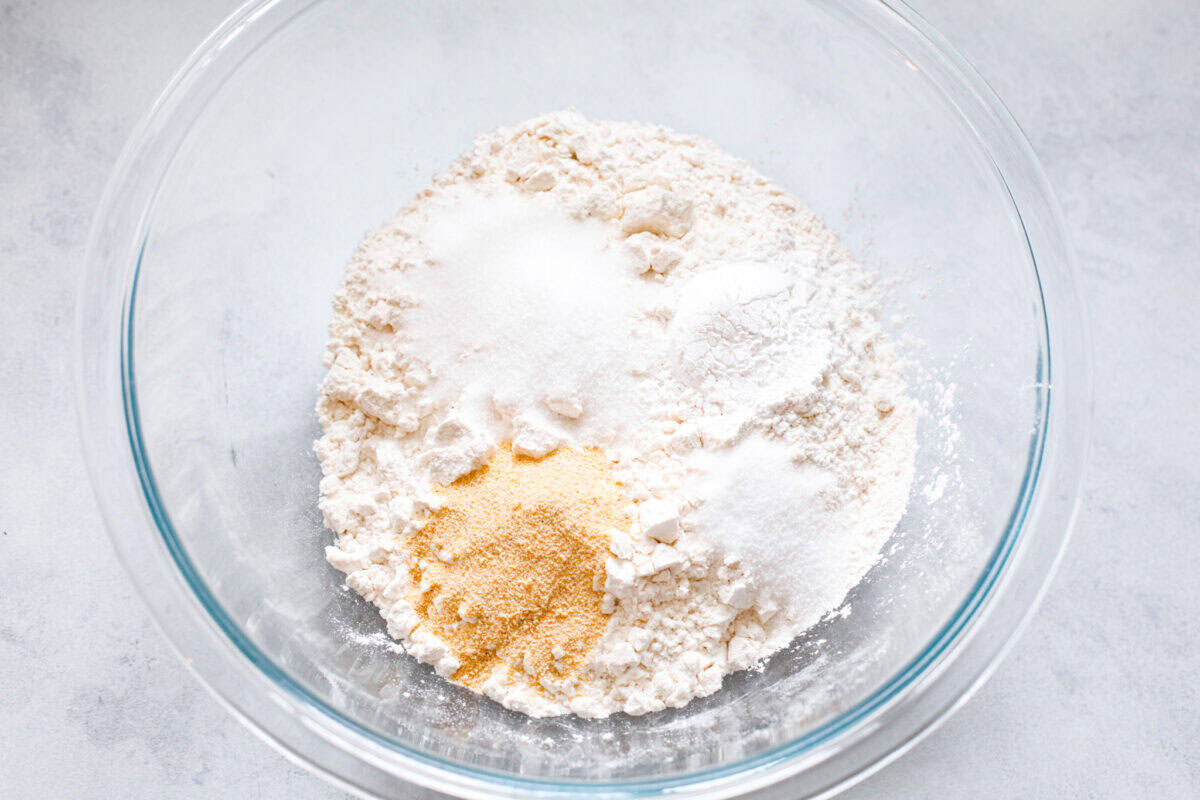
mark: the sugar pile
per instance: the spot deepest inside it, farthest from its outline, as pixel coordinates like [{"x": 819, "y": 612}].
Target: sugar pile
[
  {"x": 572, "y": 284},
  {"x": 515, "y": 310}
]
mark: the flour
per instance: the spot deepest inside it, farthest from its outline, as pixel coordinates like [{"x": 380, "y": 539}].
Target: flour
[{"x": 624, "y": 287}]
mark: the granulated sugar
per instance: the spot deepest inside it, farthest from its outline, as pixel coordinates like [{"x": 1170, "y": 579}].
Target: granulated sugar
[
  {"x": 638, "y": 295},
  {"x": 515, "y": 308}
]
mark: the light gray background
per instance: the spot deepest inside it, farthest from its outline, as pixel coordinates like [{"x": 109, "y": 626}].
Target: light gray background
[{"x": 1099, "y": 699}]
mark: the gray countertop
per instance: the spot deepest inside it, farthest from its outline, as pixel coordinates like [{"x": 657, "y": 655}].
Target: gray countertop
[{"x": 1100, "y": 697}]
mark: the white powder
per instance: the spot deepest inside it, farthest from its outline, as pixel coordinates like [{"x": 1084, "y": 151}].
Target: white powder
[
  {"x": 786, "y": 524},
  {"x": 746, "y": 336},
  {"x": 512, "y": 319},
  {"x": 622, "y": 286}
]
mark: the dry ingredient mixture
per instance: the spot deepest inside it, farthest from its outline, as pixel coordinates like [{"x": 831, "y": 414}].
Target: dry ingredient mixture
[{"x": 608, "y": 416}]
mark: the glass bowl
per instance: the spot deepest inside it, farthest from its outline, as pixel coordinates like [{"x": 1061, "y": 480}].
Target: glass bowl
[{"x": 297, "y": 126}]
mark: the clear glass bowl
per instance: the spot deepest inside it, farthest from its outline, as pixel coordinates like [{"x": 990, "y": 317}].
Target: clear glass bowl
[{"x": 297, "y": 126}]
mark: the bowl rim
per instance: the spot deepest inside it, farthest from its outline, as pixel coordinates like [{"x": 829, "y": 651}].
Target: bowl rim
[{"x": 112, "y": 267}]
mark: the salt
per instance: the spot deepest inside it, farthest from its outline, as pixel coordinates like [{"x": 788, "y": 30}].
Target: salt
[{"x": 776, "y": 516}]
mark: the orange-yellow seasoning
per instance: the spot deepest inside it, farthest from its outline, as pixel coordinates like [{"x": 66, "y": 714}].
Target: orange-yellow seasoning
[{"x": 510, "y": 570}]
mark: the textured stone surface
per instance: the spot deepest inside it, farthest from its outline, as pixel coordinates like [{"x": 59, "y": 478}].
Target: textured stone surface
[{"x": 1097, "y": 700}]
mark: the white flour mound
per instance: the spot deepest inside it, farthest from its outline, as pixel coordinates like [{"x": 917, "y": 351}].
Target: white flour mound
[{"x": 620, "y": 285}]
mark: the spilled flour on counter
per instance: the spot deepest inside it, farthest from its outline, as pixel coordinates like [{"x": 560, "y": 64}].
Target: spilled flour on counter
[{"x": 608, "y": 416}]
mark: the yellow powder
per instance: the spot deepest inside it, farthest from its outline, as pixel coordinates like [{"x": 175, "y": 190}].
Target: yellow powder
[{"x": 509, "y": 570}]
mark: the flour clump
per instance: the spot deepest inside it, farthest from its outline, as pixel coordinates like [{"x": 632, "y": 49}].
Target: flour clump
[{"x": 608, "y": 415}]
